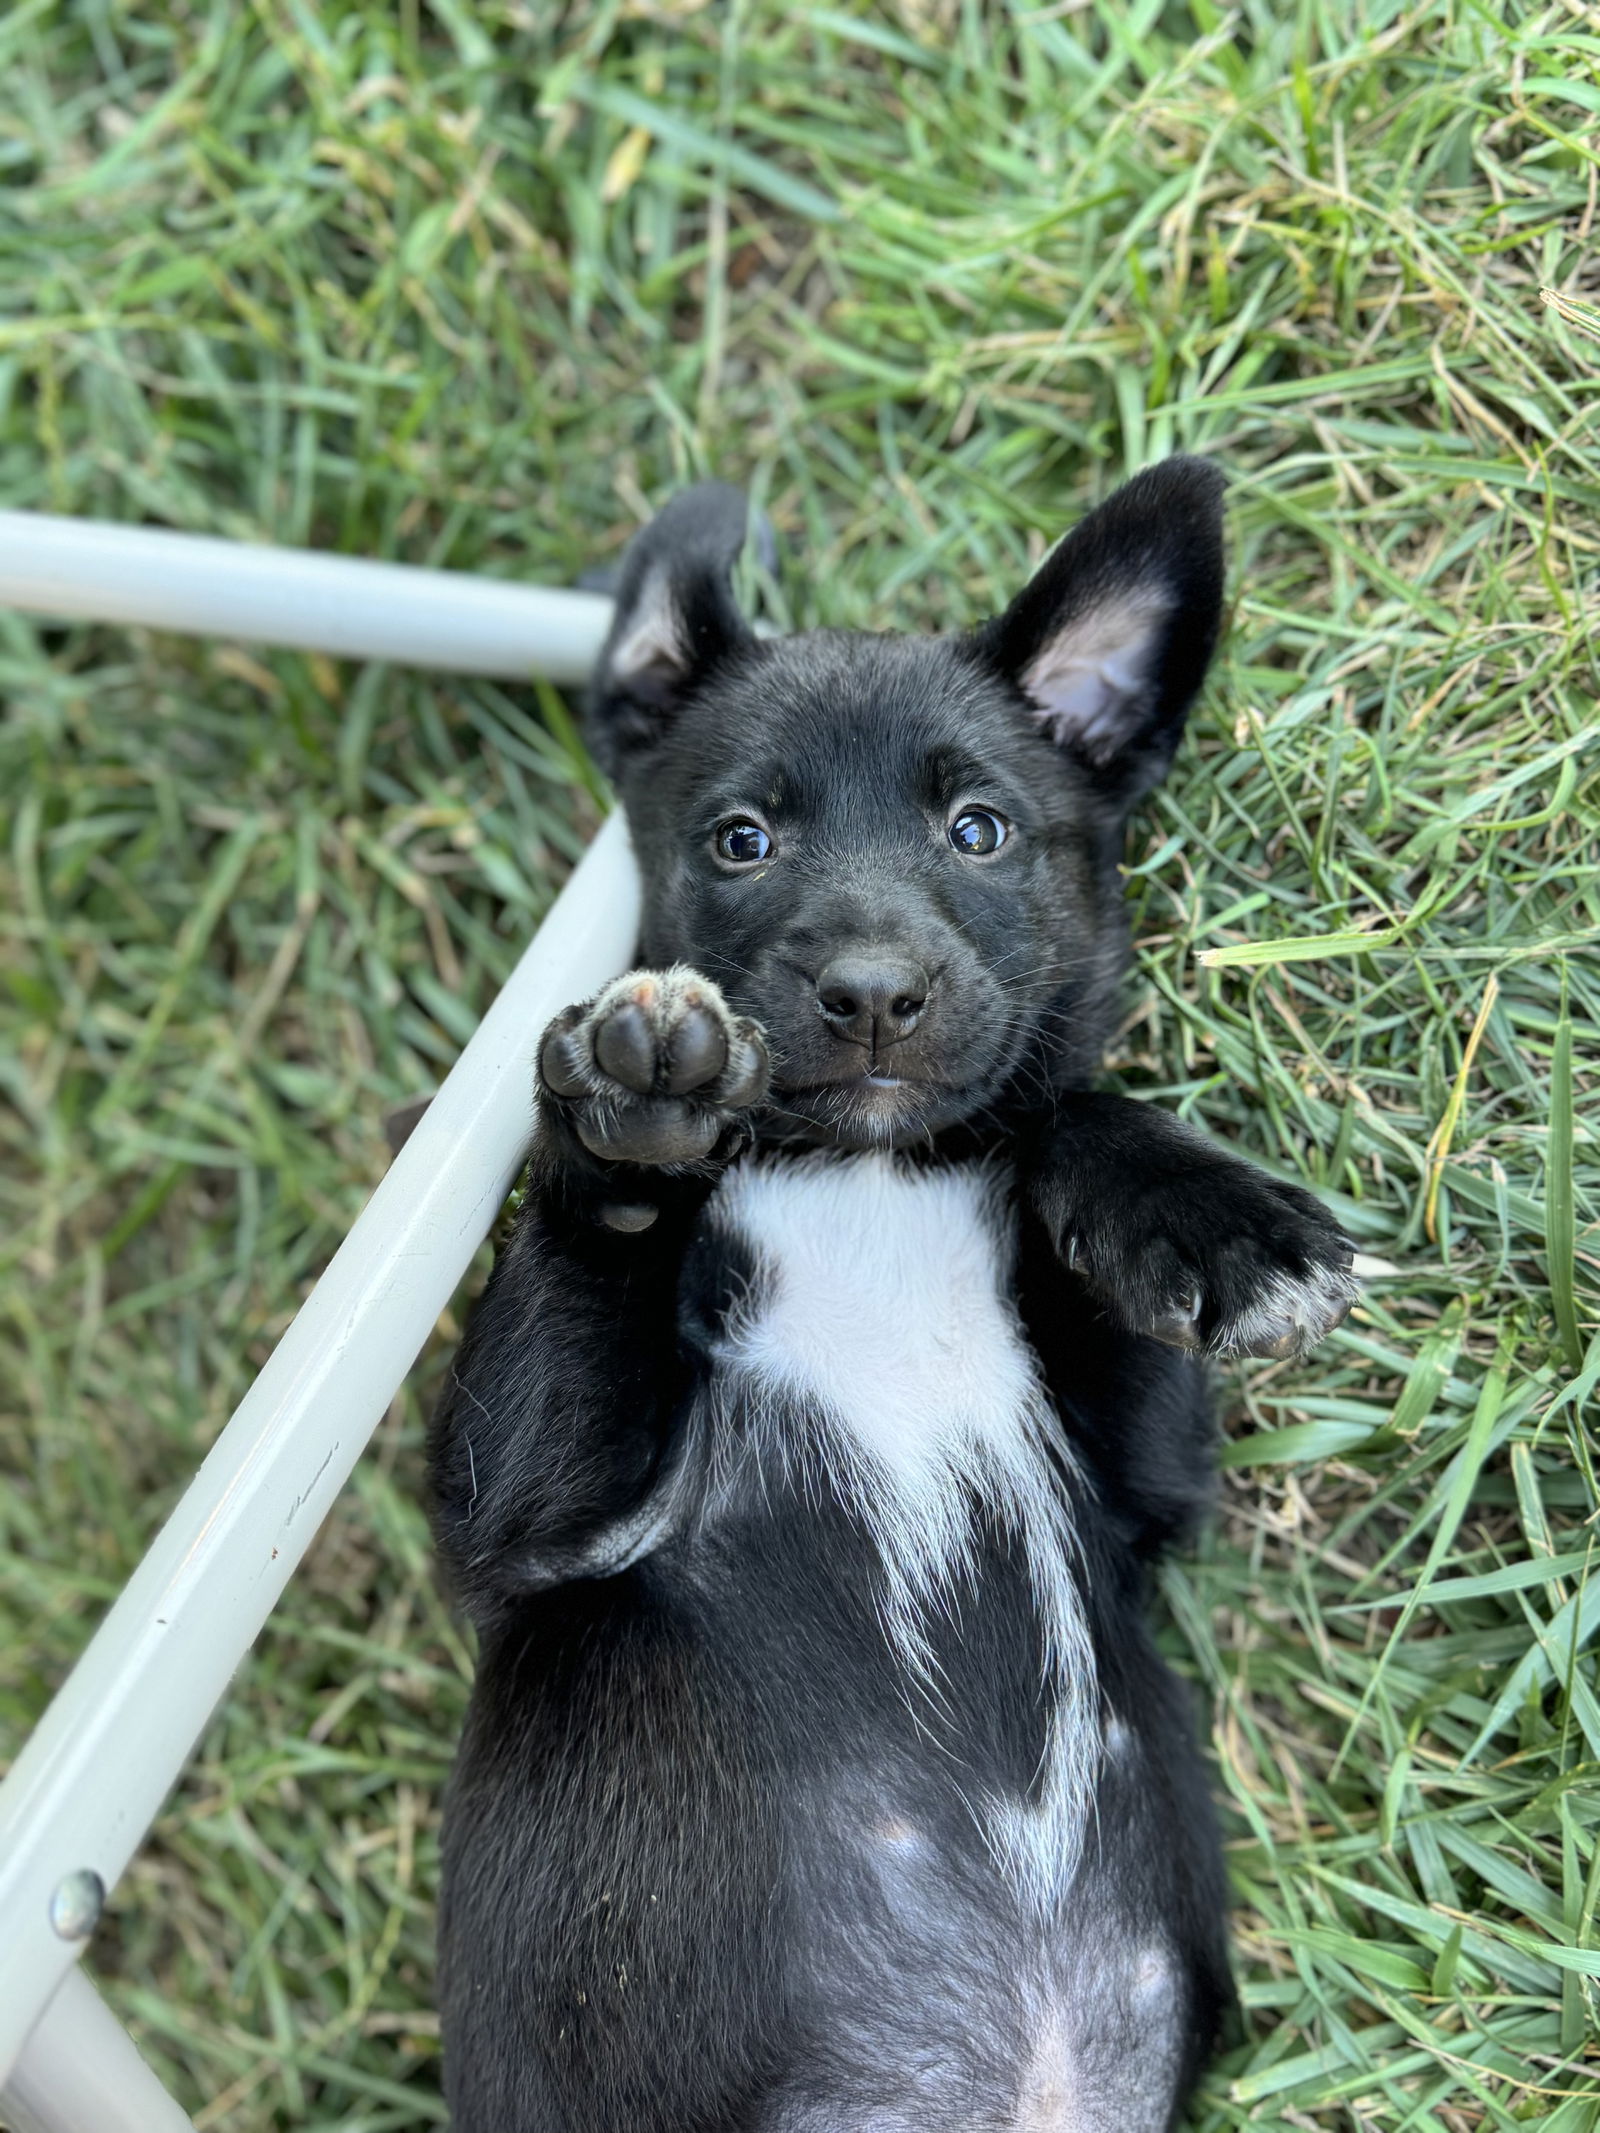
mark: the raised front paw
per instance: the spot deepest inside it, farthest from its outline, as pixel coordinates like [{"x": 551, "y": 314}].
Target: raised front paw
[
  {"x": 656, "y": 1069},
  {"x": 1222, "y": 1259}
]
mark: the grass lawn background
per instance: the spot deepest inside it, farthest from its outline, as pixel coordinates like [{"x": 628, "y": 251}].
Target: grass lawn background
[{"x": 477, "y": 285}]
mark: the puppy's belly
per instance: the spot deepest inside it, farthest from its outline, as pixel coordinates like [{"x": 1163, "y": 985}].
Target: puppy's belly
[
  {"x": 941, "y": 2016},
  {"x": 876, "y": 1361}
]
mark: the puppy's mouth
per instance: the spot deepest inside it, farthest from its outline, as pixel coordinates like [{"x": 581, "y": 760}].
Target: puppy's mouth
[{"x": 875, "y": 1108}]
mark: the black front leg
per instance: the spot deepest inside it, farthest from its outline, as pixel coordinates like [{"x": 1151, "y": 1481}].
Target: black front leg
[
  {"x": 552, "y": 1449},
  {"x": 1179, "y": 1239}
]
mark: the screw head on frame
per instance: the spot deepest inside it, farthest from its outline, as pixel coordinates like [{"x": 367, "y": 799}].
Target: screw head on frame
[{"x": 77, "y": 1903}]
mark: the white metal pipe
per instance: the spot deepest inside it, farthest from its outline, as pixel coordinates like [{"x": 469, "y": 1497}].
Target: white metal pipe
[
  {"x": 89, "y": 1783},
  {"x": 81, "y": 2073},
  {"x": 320, "y": 603}
]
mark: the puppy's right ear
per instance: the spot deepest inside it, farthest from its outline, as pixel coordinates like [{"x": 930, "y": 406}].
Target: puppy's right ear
[
  {"x": 1109, "y": 641},
  {"x": 675, "y": 619}
]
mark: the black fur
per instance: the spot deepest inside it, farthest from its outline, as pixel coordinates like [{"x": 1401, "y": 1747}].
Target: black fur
[{"x": 692, "y": 1748}]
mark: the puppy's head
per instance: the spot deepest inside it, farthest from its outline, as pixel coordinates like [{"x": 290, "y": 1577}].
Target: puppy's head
[{"x": 899, "y": 854}]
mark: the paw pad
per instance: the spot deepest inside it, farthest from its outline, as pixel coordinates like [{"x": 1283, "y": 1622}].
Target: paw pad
[{"x": 655, "y": 1069}]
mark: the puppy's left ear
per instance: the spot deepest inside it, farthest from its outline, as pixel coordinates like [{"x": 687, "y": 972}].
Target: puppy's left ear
[
  {"x": 675, "y": 618},
  {"x": 1110, "y": 640}
]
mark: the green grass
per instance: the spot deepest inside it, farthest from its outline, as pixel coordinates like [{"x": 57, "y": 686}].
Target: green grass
[{"x": 475, "y": 284}]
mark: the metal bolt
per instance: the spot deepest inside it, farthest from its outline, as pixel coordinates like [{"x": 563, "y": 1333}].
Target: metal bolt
[{"x": 77, "y": 1903}]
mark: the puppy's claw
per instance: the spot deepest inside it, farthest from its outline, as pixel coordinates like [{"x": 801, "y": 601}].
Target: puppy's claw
[{"x": 1181, "y": 1329}]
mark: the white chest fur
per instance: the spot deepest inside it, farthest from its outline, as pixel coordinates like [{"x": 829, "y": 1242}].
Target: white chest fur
[
  {"x": 884, "y": 1293},
  {"x": 881, "y": 1362}
]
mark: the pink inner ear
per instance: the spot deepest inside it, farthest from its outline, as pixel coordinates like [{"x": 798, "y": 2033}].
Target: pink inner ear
[
  {"x": 1089, "y": 678},
  {"x": 654, "y": 641}
]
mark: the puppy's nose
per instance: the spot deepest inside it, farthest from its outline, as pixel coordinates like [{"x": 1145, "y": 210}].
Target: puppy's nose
[{"x": 872, "y": 1000}]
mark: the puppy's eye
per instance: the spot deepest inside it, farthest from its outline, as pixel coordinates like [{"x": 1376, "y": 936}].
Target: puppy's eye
[
  {"x": 743, "y": 842},
  {"x": 976, "y": 831}
]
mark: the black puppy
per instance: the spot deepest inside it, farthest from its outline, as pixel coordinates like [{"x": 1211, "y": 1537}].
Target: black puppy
[{"x": 804, "y": 1457}]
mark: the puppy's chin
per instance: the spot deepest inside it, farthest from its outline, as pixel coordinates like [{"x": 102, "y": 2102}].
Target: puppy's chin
[{"x": 870, "y": 1111}]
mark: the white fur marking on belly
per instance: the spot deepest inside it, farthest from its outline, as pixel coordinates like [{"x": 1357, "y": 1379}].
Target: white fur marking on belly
[{"x": 882, "y": 1313}]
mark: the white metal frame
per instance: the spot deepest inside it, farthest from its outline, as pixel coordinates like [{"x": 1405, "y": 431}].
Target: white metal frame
[{"x": 86, "y": 1788}]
